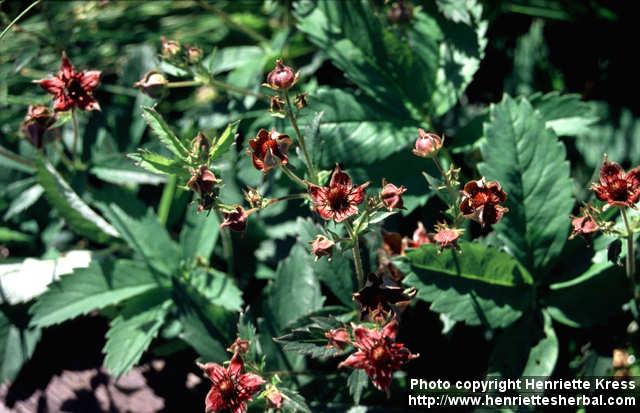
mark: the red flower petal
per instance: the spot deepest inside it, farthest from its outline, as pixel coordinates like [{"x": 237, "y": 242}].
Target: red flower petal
[
  {"x": 90, "y": 79},
  {"x": 52, "y": 85},
  {"x": 340, "y": 178}
]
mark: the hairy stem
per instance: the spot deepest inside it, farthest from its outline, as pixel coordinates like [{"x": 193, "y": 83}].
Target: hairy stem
[
  {"x": 357, "y": 258},
  {"x": 295, "y": 178},
  {"x": 167, "y": 199},
  {"x": 287, "y": 198},
  {"x": 312, "y": 173},
  {"x": 630, "y": 263},
  {"x": 227, "y": 247}
]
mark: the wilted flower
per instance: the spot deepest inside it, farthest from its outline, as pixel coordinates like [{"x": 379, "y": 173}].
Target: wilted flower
[
  {"x": 322, "y": 247},
  {"x": 584, "y": 225},
  {"x": 400, "y": 12},
  {"x": 231, "y": 389},
  {"x": 427, "y": 144},
  {"x": 338, "y": 338},
  {"x": 202, "y": 181},
  {"x": 301, "y": 100},
  {"x": 391, "y": 196},
  {"x": 253, "y": 197},
  {"x": 236, "y": 220},
  {"x": 276, "y": 104},
  {"x": 447, "y": 237},
  {"x": 281, "y": 77},
  {"x": 200, "y": 146},
  {"x": 378, "y": 354},
  {"x": 617, "y": 187},
  {"x": 340, "y": 199},
  {"x": 170, "y": 48},
  {"x": 380, "y": 297},
  {"x": 239, "y": 346},
  {"x": 72, "y": 89},
  {"x": 274, "y": 398},
  {"x": 36, "y": 124},
  {"x": 269, "y": 149},
  {"x": 152, "y": 84},
  {"x": 481, "y": 201}
]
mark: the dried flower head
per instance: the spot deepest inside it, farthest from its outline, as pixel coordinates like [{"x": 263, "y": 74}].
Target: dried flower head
[
  {"x": 301, "y": 100},
  {"x": 617, "y": 187},
  {"x": 202, "y": 181},
  {"x": 282, "y": 77},
  {"x": 152, "y": 84},
  {"x": 170, "y": 48},
  {"x": 322, "y": 247},
  {"x": 72, "y": 89},
  {"x": 391, "y": 196},
  {"x": 584, "y": 225},
  {"x": 231, "y": 389},
  {"x": 274, "y": 398},
  {"x": 447, "y": 237},
  {"x": 276, "y": 104},
  {"x": 427, "y": 144},
  {"x": 378, "y": 354},
  {"x": 269, "y": 150},
  {"x": 36, "y": 124},
  {"x": 200, "y": 147},
  {"x": 481, "y": 201},
  {"x": 236, "y": 220},
  {"x": 239, "y": 346},
  {"x": 340, "y": 199}
]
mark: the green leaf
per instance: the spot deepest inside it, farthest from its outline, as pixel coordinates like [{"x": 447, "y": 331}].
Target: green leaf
[
  {"x": 87, "y": 289},
  {"x": 164, "y": 133},
  {"x": 78, "y": 215},
  {"x": 23, "y": 201},
  {"x": 217, "y": 287},
  {"x": 530, "y": 163},
  {"x": 133, "y": 330},
  {"x": 8, "y": 235},
  {"x": 293, "y": 402},
  {"x": 17, "y": 343},
  {"x": 481, "y": 285},
  {"x": 229, "y": 58},
  {"x": 148, "y": 238},
  {"x": 358, "y": 130},
  {"x": 157, "y": 163},
  {"x": 296, "y": 290},
  {"x": 590, "y": 298},
  {"x": 566, "y": 115},
  {"x": 357, "y": 382},
  {"x": 527, "y": 348},
  {"x": 310, "y": 339},
  {"x": 120, "y": 171},
  {"x": 223, "y": 143},
  {"x": 199, "y": 234}
]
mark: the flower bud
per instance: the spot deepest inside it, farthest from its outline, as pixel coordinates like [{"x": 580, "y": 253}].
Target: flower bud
[
  {"x": 239, "y": 346},
  {"x": 584, "y": 225},
  {"x": 301, "y": 100},
  {"x": 200, "y": 146},
  {"x": 194, "y": 54},
  {"x": 281, "y": 77},
  {"x": 321, "y": 247},
  {"x": 427, "y": 144},
  {"x": 36, "y": 124},
  {"x": 276, "y": 104},
  {"x": 338, "y": 338},
  {"x": 170, "y": 48},
  {"x": 391, "y": 196},
  {"x": 152, "y": 84},
  {"x": 253, "y": 197},
  {"x": 274, "y": 398},
  {"x": 447, "y": 237}
]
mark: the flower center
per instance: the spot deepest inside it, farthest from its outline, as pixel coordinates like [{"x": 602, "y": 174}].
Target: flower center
[
  {"x": 338, "y": 199},
  {"x": 226, "y": 387},
  {"x": 618, "y": 190},
  {"x": 378, "y": 354},
  {"x": 74, "y": 89}
]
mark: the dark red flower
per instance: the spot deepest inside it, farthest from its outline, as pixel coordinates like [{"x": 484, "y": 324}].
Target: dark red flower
[
  {"x": 378, "y": 354},
  {"x": 236, "y": 220},
  {"x": 338, "y": 338},
  {"x": 282, "y": 77},
  {"x": 322, "y": 247},
  {"x": 381, "y": 296},
  {"x": 230, "y": 388},
  {"x": 446, "y": 237},
  {"x": 481, "y": 201},
  {"x": 391, "y": 196},
  {"x": 202, "y": 181},
  {"x": 584, "y": 225},
  {"x": 340, "y": 199},
  {"x": 269, "y": 149},
  {"x": 427, "y": 144},
  {"x": 37, "y": 123},
  {"x": 72, "y": 89},
  {"x": 617, "y": 187}
]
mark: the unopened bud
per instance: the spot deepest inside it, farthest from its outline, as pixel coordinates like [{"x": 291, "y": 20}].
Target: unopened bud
[{"x": 152, "y": 84}]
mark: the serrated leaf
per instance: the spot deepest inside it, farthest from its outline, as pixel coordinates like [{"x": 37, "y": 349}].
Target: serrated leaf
[
  {"x": 23, "y": 201},
  {"x": 133, "y": 330},
  {"x": 78, "y": 215},
  {"x": 481, "y": 285},
  {"x": 199, "y": 234},
  {"x": 157, "y": 163},
  {"x": 590, "y": 298},
  {"x": 217, "y": 287},
  {"x": 164, "y": 133},
  {"x": 293, "y": 402},
  {"x": 530, "y": 163},
  {"x": 223, "y": 143},
  {"x": 566, "y": 114},
  {"x": 527, "y": 348},
  {"x": 296, "y": 290},
  {"x": 87, "y": 289},
  {"x": 357, "y": 382},
  {"x": 148, "y": 238},
  {"x": 17, "y": 343}
]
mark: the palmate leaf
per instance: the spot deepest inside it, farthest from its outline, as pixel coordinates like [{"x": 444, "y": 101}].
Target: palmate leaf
[
  {"x": 133, "y": 330},
  {"x": 78, "y": 215},
  {"x": 87, "y": 289},
  {"x": 481, "y": 285},
  {"x": 148, "y": 238},
  {"x": 530, "y": 163}
]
